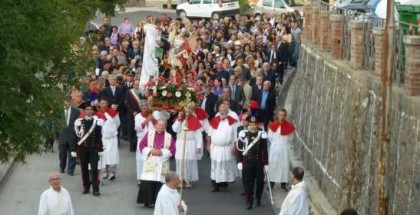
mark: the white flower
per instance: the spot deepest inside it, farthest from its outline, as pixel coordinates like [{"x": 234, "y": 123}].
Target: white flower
[
  {"x": 164, "y": 93},
  {"x": 177, "y": 94}
]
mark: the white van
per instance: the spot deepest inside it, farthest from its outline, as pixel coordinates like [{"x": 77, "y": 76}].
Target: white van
[
  {"x": 214, "y": 9},
  {"x": 271, "y": 6}
]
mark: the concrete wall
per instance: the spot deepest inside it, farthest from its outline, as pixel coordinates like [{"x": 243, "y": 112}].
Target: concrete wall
[{"x": 337, "y": 114}]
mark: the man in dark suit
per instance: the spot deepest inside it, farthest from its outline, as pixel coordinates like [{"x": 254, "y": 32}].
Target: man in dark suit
[
  {"x": 132, "y": 102},
  {"x": 234, "y": 106},
  {"x": 266, "y": 101},
  {"x": 113, "y": 93},
  {"x": 272, "y": 53},
  {"x": 269, "y": 75},
  {"x": 115, "y": 96},
  {"x": 257, "y": 87},
  {"x": 237, "y": 93},
  {"x": 209, "y": 102},
  {"x": 67, "y": 138}
]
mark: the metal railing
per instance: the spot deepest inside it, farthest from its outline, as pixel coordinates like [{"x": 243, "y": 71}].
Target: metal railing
[
  {"x": 401, "y": 29},
  {"x": 369, "y": 23}
]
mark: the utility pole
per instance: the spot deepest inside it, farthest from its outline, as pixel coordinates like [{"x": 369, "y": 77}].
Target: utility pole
[
  {"x": 169, "y": 4},
  {"x": 382, "y": 207}
]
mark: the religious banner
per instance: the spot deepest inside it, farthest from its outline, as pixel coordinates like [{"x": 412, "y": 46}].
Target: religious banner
[{"x": 150, "y": 62}]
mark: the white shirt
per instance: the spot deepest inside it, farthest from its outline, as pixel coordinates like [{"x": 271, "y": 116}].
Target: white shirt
[
  {"x": 55, "y": 203},
  {"x": 296, "y": 201},
  {"x": 167, "y": 202}
]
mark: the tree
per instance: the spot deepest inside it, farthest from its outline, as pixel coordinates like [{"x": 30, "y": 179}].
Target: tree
[
  {"x": 36, "y": 55},
  {"x": 244, "y": 6}
]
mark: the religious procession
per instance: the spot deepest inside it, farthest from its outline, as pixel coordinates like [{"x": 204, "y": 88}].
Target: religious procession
[{"x": 180, "y": 91}]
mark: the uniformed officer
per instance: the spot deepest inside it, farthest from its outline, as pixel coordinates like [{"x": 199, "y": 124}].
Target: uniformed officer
[
  {"x": 89, "y": 145},
  {"x": 253, "y": 159}
]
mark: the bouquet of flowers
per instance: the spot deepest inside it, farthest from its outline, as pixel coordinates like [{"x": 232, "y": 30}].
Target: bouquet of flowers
[{"x": 168, "y": 95}]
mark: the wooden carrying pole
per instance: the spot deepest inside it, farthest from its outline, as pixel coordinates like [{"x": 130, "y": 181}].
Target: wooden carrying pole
[{"x": 182, "y": 167}]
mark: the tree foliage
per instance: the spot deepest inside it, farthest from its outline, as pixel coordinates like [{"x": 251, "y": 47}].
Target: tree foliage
[
  {"x": 35, "y": 42},
  {"x": 244, "y": 6}
]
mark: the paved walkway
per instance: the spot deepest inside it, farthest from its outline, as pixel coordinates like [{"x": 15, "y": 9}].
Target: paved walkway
[{"x": 21, "y": 189}]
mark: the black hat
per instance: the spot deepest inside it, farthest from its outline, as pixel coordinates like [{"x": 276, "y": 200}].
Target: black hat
[{"x": 252, "y": 119}]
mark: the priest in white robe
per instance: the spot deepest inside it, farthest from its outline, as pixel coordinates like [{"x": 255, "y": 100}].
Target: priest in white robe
[
  {"x": 220, "y": 146},
  {"x": 296, "y": 201},
  {"x": 280, "y": 135},
  {"x": 168, "y": 201},
  {"x": 186, "y": 164},
  {"x": 56, "y": 199},
  {"x": 157, "y": 147},
  {"x": 111, "y": 122},
  {"x": 143, "y": 123}
]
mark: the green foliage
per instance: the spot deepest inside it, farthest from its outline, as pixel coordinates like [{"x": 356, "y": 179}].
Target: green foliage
[
  {"x": 36, "y": 40},
  {"x": 244, "y": 6}
]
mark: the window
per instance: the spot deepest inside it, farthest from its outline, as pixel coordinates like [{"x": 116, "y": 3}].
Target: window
[
  {"x": 267, "y": 3},
  {"x": 207, "y": 1},
  {"x": 279, "y": 4},
  {"x": 195, "y": 1}
]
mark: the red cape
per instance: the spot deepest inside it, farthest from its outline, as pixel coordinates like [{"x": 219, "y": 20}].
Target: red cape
[
  {"x": 193, "y": 123},
  {"x": 214, "y": 123},
  {"x": 285, "y": 129},
  {"x": 200, "y": 113},
  {"x": 101, "y": 115}
]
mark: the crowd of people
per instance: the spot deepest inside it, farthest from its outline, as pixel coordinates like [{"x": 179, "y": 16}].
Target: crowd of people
[{"x": 235, "y": 66}]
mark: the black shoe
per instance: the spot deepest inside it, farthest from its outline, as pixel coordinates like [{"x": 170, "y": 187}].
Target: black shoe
[
  {"x": 71, "y": 173},
  {"x": 85, "y": 192},
  {"x": 77, "y": 162},
  {"x": 249, "y": 207},
  {"x": 284, "y": 187},
  {"x": 62, "y": 171},
  {"x": 243, "y": 194},
  {"x": 96, "y": 193},
  {"x": 214, "y": 189}
]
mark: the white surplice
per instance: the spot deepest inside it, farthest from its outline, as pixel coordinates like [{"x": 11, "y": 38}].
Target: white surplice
[
  {"x": 155, "y": 167},
  {"x": 278, "y": 156},
  {"x": 167, "y": 202},
  {"x": 55, "y": 203},
  {"x": 194, "y": 141},
  {"x": 110, "y": 139},
  {"x": 296, "y": 201},
  {"x": 141, "y": 131},
  {"x": 223, "y": 164}
]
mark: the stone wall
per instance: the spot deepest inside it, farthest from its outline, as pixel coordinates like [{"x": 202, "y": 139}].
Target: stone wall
[{"x": 337, "y": 114}]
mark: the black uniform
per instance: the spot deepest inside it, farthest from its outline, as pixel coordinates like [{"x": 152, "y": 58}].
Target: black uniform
[
  {"x": 88, "y": 152},
  {"x": 253, "y": 163}
]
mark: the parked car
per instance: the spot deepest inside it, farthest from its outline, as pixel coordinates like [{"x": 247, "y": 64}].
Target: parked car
[
  {"x": 214, "y": 9},
  {"x": 271, "y": 6}
]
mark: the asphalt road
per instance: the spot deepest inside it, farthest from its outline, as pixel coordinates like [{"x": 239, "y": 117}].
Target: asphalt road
[
  {"x": 134, "y": 17},
  {"x": 20, "y": 192}
]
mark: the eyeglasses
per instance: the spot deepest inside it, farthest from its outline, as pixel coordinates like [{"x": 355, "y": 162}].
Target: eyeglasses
[{"x": 54, "y": 179}]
